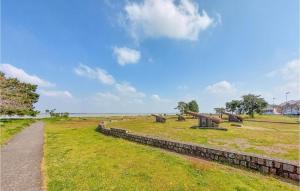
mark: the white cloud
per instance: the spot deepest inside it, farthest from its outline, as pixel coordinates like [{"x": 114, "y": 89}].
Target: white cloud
[
  {"x": 291, "y": 70},
  {"x": 122, "y": 89},
  {"x": 290, "y": 75},
  {"x": 221, "y": 87},
  {"x": 155, "y": 97},
  {"x": 56, "y": 93},
  {"x": 97, "y": 73},
  {"x": 166, "y": 18},
  {"x": 126, "y": 55},
  {"x": 126, "y": 89},
  {"x": 106, "y": 96},
  {"x": 158, "y": 99},
  {"x": 14, "y": 72}
]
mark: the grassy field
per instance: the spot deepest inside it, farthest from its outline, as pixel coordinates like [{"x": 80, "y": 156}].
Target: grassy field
[
  {"x": 10, "y": 127},
  {"x": 270, "y": 139},
  {"x": 272, "y": 118},
  {"x": 79, "y": 158}
]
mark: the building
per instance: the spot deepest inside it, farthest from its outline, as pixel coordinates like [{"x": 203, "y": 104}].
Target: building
[
  {"x": 271, "y": 110},
  {"x": 291, "y": 107}
]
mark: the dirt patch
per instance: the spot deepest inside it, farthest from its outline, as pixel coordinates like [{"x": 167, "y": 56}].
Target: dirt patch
[
  {"x": 239, "y": 142},
  {"x": 257, "y": 128},
  {"x": 277, "y": 148}
]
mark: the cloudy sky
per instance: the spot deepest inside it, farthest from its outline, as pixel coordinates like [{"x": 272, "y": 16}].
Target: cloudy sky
[{"x": 145, "y": 56}]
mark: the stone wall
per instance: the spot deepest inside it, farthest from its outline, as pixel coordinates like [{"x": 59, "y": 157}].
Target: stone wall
[{"x": 255, "y": 162}]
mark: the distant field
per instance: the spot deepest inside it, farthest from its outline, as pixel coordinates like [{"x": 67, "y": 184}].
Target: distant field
[
  {"x": 79, "y": 158},
  {"x": 270, "y": 139},
  {"x": 10, "y": 127}
]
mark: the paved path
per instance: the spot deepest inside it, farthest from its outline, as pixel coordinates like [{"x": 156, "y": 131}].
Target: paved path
[{"x": 21, "y": 160}]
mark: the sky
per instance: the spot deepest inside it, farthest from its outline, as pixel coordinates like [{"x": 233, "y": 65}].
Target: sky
[{"x": 112, "y": 56}]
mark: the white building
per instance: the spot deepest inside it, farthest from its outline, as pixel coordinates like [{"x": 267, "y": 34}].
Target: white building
[
  {"x": 291, "y": 107},
  {"x": 271, "y": 110}
]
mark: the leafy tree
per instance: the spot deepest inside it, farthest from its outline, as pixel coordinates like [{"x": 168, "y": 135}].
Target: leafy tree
[
  {"x": 193, "y": 106},
  {"x": 17, "y": 98},
  {"x": 219, "y": 110},
  {"x": 182, "y": 107},
  {"x": 253, "y": 104},
  {"x": 234, "y": 106}
]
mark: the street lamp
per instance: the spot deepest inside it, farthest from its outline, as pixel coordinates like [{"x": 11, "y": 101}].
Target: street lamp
[{"x": 286, "y": 94}]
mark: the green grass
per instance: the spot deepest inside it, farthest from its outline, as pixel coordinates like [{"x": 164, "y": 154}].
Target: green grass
[
  {"x": 270, "y": 139},
  {"x": 79, "y": 158},
  {"x": 281, "y": 118},
  {"x": 10, "y": 127}
]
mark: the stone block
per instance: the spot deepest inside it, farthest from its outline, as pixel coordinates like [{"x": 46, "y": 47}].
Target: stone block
[
  {"x": 236, "y": 161},
  {"x": 298, "y": 170},
  {"x": 273, "y": 171},
  {"x": 244, "y": 163},
  {"x": 294, "y": 176},
  {"x": 285, "y": 175},
  {"x": 242, "y": 157},
  {"x": 269, "y": 163},
  {"x": 288, "y": 167},
  {"x": 231, "y": 155},
  {"x": 253, "y": 159},
  {"x": 253, "y": 165},
  {"x": 248, "y": 158},
  {"x": 265, "y": 169},
  {"x": 260, "y": 161},
  {"x": 277, "y": 164}
]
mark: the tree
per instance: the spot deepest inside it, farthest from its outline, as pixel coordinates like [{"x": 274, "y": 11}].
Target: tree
[
  {"x": 234, "y": 106},
  {"x": 219, "y": 110},
  {"x": 182, "y": 107},
  {"x": 193, "y": 106},
  {"x": 17, "y": 98},
  {"x": 253, "y": 104}
]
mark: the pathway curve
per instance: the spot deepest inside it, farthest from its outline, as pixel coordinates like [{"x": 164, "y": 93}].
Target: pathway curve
[{"x": 21, "y": 160}]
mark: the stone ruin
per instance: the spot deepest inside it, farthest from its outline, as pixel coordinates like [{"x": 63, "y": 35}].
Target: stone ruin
[
  {"x": 159, "y": 118},
  {"x": 233, "y": 118},
  {"x": 206, "y": 122}
]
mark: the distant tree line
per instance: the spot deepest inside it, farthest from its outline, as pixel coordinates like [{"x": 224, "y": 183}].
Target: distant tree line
[
  {"x": 17, "y": 98},
  {"x": 54, "y": 114}
]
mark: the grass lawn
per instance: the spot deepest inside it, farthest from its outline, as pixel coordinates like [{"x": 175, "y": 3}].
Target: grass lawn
[
  {"x": 79, "y": 158},
  {"x": 270, "y": 139},
  {"x": 10, "y": 127},
  {"x": 281, "y": 118}
]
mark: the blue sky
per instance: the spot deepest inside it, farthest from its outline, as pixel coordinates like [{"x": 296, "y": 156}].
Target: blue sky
[{"x": 145, "y": 56}]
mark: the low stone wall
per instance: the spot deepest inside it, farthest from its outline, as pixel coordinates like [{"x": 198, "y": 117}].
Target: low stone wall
[{"x": 256, "y": 162}]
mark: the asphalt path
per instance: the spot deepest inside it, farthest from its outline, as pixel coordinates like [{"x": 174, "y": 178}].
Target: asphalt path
[{"x": 21, "y": 160}]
